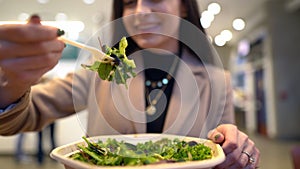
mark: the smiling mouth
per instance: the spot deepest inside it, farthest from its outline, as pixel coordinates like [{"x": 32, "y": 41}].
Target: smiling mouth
[{"x": 146, "y": 27}]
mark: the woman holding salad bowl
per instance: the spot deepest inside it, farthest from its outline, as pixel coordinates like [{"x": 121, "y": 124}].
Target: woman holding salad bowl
[{"x": 179, "y": 87}]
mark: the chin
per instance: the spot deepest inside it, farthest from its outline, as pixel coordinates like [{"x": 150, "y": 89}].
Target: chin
[{"x": 148, "y": 40}]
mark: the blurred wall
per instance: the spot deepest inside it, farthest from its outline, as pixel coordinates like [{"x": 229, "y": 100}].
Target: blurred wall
[
  {"x": 93, "y": 15},
  {"x": 284, "y": 32},
  {"x": 278, "y": 27}
]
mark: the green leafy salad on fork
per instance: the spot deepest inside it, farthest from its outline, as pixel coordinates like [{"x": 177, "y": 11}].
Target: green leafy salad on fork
[{"x": 119, "y": 69}]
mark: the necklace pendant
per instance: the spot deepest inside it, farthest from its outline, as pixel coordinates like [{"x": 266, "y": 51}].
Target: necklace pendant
[{"x": 151, "y": 110}]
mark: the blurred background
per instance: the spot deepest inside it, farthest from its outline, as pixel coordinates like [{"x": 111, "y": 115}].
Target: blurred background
[{"x": 258, "y": 42}]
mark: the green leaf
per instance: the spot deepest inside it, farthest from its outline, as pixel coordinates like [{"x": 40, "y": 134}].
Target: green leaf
[
  {"x": 119, "y": 76},
  {"x": 104, "y": 70},
  {"x": 129, "y": 63},
  {"x": 122, "y": 46},
  {"x": 118, "y": 71},
  {"x": 93, "y": 67}
]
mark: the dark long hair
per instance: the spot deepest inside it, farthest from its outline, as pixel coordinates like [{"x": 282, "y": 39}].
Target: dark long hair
[{"x": 193, "y": 16}]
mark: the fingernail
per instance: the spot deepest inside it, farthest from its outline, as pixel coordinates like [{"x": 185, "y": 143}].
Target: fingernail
[
  {"x": 60, "y": 32},
  {"x": 34, "y": 19},
  {"x": 217, "y": 137}
]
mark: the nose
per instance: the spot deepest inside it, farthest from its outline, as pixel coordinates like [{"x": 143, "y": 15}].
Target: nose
[{"x": 143, "y": 7}]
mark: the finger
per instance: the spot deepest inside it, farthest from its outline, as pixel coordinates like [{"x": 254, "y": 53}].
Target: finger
[
  {"x": 216, "y": 136},
  {"x": 31, "y": 77},
  {"x": 247, "y": 156},
  {"x": 255, "y": 157},
  {"x": 243, "y": 159},
  {"x": 14, "y": 50},
  {"x": 244, "y": 148},
  {"x": 29, "y": 70},
  {"x": 230, "y": 160},
  {"x": 34, "y": 19},
  {"x": 230, "y": 133},
  {"x": 28, "y": 33},
  {"x": 253, "y": 165},
  {"x": 30, "y": 63}
]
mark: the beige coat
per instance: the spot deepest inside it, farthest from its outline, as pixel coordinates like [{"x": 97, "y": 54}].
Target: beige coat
[{"x": 201, "y": 101}]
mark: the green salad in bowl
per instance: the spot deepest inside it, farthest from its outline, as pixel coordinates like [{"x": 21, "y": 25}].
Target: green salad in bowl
[
  {"x": 139, "y": 151},
  {"x": 121, "y": 153}
]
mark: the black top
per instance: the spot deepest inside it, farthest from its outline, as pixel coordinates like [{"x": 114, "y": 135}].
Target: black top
[
  {"x": 158, "y": 67},
  {"x": 156, "y": 122}
]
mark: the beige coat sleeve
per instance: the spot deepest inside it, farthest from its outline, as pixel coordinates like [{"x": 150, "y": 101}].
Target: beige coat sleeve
[{"x": 46, "y": 103}]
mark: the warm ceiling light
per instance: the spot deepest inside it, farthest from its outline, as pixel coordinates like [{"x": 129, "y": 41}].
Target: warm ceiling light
[
  {"x": 205, "y": 23},
  {"x": 214, "y": 8},
  {"x": 227, "y": 35},
  {"x": 219, "y": 40},
  {"x": 207, "y": 15},
  {"x": 88, "y": 1},
  {"x": 238, "y": 24},
  {"x": 61, "y": 17},
  {"x": 43, "y": 1},
  {"x": 23, "y": 16}
]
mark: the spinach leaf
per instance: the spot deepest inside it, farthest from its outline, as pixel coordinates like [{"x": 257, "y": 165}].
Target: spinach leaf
[
  {"x": 120, "y": 153},
  {"x": 119, "y": 70}
]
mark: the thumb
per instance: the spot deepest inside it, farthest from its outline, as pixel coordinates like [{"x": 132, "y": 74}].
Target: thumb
[{"x": 216, "y": 136}]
